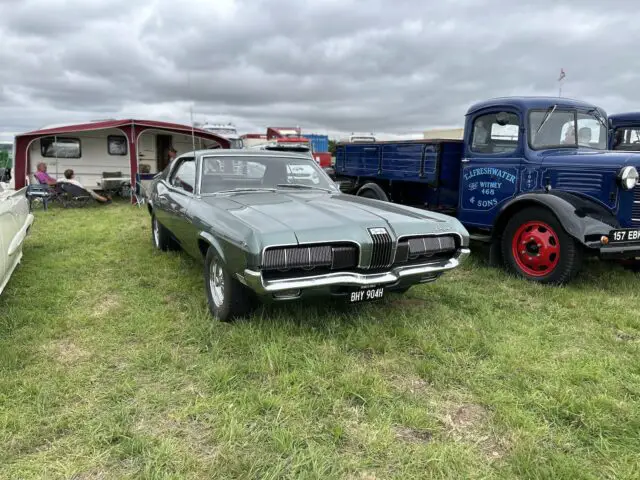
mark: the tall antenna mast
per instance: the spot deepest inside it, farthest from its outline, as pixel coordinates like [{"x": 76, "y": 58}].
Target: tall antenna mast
[
  {"x": 560, "y": 80},
  {"x": 193, "y": 138}
]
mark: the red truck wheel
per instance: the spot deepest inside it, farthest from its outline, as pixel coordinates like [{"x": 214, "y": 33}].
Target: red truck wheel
[{"x": 536, "y": 247}]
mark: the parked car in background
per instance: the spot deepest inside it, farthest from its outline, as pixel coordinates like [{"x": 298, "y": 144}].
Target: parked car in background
[
  {"x": 15, "y": 221},
  {"x": 265, "y": 233}
]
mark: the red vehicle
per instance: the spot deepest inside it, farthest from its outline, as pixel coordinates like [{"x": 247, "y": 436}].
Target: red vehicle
[{"x": 291, "y": 139}]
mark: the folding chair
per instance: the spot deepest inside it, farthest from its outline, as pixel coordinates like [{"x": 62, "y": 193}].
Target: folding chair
[
  {"x": 140, "y": 192},
  {"x": 72, "y": 195},
  {"x": 38, "y": 192}
]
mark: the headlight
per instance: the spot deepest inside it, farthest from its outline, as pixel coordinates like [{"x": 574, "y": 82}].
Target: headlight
[{"x": 628, "y": 178}]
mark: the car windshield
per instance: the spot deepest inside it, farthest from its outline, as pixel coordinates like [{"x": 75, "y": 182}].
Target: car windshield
[
  {"x": 556, "y": 128},
  {"x": 230, "y": 173}
]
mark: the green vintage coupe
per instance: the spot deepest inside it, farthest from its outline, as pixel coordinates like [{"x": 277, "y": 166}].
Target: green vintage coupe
[{"x": 273, "y": 226}]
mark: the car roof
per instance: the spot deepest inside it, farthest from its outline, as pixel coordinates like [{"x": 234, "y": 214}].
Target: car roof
[{"x": 241, "y": 152}]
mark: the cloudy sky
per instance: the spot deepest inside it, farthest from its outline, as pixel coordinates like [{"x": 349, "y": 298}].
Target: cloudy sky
[{"x": 330, "y": 66}]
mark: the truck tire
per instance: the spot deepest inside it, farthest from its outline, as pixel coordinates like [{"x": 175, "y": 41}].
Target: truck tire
[
  {"x": 535, "y": 246},
  {"x": 372, "y": 190}
]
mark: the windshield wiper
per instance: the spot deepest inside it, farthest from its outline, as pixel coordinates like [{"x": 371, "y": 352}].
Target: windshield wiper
[
  {"x": 301, "y": 186},
  {"x": 246, "y": 190},
  {"x": 598, "y": 115},
  {"x": 546, "y": 117}
]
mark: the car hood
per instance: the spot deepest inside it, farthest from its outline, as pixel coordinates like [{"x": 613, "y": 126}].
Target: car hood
[
  {"x": 592, "y": 158},
  {"x": 323, "y": 217}
]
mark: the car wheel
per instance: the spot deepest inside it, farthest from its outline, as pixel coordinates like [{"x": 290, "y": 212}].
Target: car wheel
[
  {"x": 372, "y": 190},
  {"x": 160, "y": 236},
  {"x": 536, "y": 247},
  {"x": 228, "y": 299}
]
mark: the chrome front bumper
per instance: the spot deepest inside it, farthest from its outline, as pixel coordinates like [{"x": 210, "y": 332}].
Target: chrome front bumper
[{"x": 254, "y": 280}]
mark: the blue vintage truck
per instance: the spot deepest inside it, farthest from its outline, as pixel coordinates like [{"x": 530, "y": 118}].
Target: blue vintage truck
[{"x": 533, "y": 177}]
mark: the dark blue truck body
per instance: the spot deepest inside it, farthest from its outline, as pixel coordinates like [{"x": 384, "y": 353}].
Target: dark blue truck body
[{"x": 547, "y": 157}]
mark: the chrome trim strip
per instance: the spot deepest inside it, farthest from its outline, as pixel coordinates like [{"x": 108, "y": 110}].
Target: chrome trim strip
[{"x": 254, "y": 279}]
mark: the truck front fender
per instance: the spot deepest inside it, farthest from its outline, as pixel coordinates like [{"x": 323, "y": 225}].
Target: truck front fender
[{"x": 583, "y": 219}]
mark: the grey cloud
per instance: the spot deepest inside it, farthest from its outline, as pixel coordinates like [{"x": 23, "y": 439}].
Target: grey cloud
[{"x": 338, "y": 66}]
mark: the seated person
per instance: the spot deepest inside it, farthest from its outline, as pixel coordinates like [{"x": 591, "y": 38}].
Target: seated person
[
  {"x": 584, "y": 136},
  {"x": 42, "y": 176},
  {"x": 569, "y": 137},
  {"x": 69, "y": 177}
]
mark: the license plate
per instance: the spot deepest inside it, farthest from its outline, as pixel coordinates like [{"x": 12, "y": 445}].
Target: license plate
[
  {"x": 624, "y": 236},
  {"x": 366, "y": 295}
]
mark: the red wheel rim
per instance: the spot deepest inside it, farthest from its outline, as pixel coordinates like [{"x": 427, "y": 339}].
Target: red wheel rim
[{"x": 536, "y": 248}]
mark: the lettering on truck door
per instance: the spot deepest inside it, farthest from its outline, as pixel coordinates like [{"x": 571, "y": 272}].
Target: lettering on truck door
[{"x": 490, "y": 168}]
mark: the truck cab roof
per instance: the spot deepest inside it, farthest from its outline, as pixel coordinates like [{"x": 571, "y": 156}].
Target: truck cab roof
[
  {"x": 525, "y": 103},
  {"x": 627, "y": 118}
]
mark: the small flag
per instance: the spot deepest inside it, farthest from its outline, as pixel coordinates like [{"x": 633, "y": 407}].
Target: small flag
[{"x": 562, "y": 74}]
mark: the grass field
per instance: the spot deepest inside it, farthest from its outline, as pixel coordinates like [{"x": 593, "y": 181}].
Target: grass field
[{"x": 110, "y": 367}]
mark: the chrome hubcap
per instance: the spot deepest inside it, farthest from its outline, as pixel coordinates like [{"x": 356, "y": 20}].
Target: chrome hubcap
[
  {"x": 216, "y": 283},
  {"x": 156, "y": 232}
]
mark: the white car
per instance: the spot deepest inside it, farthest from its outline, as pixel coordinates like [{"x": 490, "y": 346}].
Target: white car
[{"x": 15, "y": 221}]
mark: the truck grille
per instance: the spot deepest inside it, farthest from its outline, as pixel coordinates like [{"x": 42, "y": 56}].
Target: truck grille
[
  {"x": 382, "y": 248},
  {"x": 308, "y": 257},
  {"x": 635, "y": 210}
]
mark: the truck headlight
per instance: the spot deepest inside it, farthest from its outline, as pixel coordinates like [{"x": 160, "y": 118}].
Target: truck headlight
[{"x": 628, "y": 177}]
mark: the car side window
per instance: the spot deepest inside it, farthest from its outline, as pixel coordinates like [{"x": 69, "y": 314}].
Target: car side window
[
  {"x": 184, "y": 176},
  {"x": 495, "y": 133}
]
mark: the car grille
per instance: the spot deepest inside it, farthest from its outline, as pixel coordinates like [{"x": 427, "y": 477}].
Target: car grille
[
  {"x": 334, "y": 257},
  {"x": 420, "y": 248},
  {"x": 382, "y": 248},
  {"x": 635, "y": 210}
]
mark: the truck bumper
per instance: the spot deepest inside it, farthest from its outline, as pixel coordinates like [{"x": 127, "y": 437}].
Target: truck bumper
[
  {"x": 412, "y": 274},
  {"x": 620, "y": 252}
]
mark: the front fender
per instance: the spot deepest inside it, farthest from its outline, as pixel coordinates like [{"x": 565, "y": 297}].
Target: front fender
[
  {"x": 583, "y": 219},
  {"x": 213, "y": 242}
]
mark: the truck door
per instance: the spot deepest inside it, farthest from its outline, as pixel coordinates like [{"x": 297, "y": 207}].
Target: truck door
[{"x": 489, "y": 174}]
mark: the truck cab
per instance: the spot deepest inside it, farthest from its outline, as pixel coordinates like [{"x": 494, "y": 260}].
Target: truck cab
[{"x": 532, "y": 176}]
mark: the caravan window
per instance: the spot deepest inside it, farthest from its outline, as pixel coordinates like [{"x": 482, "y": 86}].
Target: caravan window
[
  {"x": 117, "y": 144},
  {"x": 60, "y": 147}
]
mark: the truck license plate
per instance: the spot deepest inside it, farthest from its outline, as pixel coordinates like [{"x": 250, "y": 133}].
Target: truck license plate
[
  {"x": 624, "y": 236},
  {"x": 366, "y": 295}
]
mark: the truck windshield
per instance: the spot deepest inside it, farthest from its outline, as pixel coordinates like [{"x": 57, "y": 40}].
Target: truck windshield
[
  {"x": 627, "y": 138},
  {"x": 557, "y": 127}
]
